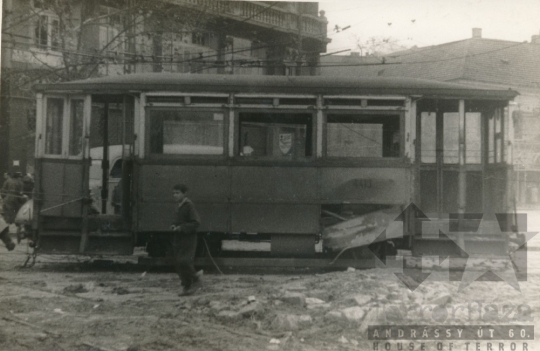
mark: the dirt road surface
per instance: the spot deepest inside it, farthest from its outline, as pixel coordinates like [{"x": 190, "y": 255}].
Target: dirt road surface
[{"x": 63, "y": 303}]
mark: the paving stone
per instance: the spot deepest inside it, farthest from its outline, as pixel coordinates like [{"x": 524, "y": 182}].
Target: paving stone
[
  {"x": 319, "y": 306},
  {"x": 294, "y": 298},
  {"x": 372, "y": 317},
  {"x": 294, "y": 287},
  {"x": 393, "y": 313},
  {"x": 334, "y": 316},
  {"x": 440, "y": 300},
  {"x": 216, "y": 306},
  {"x": 229, "y": 316},
  {"x": 251, "y": 309},
  {"x": 353, "y": 314},
  {"x": 292, "y": 322},
  {"x": 361, "y": 300},
  {"x": 313, "y": 300}
]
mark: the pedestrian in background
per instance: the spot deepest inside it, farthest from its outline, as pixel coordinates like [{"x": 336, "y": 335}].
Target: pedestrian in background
[
  {"x": 28, "y": 185},
  {"x": 186, "y": 222},
  {"x": 4, "y": 235},
  {"x": 12, "y": 196}
]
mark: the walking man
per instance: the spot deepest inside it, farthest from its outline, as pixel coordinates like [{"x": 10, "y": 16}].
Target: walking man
[{"x": 185, "y": 225}]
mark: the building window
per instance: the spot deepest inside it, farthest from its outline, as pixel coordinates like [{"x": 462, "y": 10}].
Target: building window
[
  {"x": 363, "y": 136},
  {"x": 47, "y": 32},
  {"x": 111, "y": 36},
  {"x": 277, "y": 136},
  {"x": 186, "y": 132},
  {"x": 199, "y": 38}
]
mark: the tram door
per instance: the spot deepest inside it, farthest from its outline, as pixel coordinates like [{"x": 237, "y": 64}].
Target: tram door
[
  {"x": 111, "y": 150},
  {"x": 438, "y": 123},
  {"x": 59, "y": 155}
]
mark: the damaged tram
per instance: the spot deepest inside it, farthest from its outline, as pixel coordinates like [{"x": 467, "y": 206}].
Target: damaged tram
[{"x": 277, "y": 159}]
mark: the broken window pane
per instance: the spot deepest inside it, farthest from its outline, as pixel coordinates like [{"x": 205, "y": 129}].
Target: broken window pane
[
  {"x": 186, "y": 132},
  {"x": 491, "y": 139},
  {"x": 282, "y": 136},
  {"x": 451, "y": 137},
  {"x": 473, "y": 137},
  {"x": 363, "y": 136},
  {"x": 428, "y": 146},
  {"x": 498, "y": 135}
]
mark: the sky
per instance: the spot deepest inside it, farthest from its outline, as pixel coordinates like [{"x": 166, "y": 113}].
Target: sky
[{"x": 422, "y": 23}]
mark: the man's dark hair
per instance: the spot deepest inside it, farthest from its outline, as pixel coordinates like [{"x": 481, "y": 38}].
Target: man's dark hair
[{"x": 182, "y": 187}]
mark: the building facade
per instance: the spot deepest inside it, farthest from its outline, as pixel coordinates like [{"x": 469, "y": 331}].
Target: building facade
[{"x": 61, "y": 40}]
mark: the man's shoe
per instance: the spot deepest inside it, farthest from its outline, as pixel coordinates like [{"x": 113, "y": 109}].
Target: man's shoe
[
  {"x": 185, "y": 292},
  {"x": 195, "y": 286}
]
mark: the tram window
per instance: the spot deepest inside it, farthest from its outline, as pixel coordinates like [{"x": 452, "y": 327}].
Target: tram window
[
  {"x": 280, "y": 136},
  {"x": 428, "y": 142},
  {"x": 491, "y": 139},
  {"x": 495, "y": 136},
  {"x": 76, "y": 127},
  {"x": 498, "y": 135},
  {"x": 451, "y": 137},
  {"x": 54, "y": 130},
  {"x": 186, "y": 132},
  {"x": 473, "y": 137},
  {"x": 363, "y": 136}
]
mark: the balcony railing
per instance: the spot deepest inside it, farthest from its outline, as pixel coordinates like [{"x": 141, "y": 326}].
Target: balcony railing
[{"x": 262, "y": 14}]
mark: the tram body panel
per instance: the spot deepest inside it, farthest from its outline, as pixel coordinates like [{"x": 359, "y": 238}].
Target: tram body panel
[{"x": 61, "y": 182}]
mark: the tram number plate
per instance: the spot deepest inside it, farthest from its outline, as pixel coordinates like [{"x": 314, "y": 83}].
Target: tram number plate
[{"x": 363, "y": 183}]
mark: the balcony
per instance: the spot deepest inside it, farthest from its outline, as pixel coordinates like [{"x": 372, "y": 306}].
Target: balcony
[{"x": 263, "y": 15}]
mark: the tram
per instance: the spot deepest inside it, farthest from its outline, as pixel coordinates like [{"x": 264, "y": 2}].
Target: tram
[{"x": 268, "y": 158}]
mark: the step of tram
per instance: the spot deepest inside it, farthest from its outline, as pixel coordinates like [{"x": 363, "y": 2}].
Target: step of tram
[
  {"x": 91, "y": 234},
  {"x": 98, "y": 243}
]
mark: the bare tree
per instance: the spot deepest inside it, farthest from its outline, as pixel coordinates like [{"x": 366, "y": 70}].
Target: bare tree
[
  {"x": 75, "y": 39},
  {"x": 377, "y": 46}
]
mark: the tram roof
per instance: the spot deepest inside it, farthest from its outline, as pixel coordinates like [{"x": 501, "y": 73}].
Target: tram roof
[{"x": 147, "y": 82}]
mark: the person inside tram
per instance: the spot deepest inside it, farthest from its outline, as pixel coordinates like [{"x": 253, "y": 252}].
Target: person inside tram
[{"x": 247, "y": 150}]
